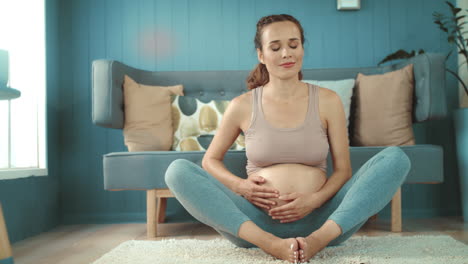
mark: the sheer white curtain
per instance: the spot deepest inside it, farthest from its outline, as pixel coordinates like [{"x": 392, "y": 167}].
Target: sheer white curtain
[{"x": 22, "y": 120}]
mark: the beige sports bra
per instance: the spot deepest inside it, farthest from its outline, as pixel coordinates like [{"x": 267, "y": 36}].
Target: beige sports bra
[{"x": 266, "y": 145}]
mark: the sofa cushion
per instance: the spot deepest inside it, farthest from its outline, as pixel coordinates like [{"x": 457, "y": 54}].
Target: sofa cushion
[
  {"x": 344, "y": 89},
  {"x": 383, "y": 112},
  {"x": 120, "y": 167},
  {"x": 193, "y": 118},
  {"x": 148, "y": 122}
]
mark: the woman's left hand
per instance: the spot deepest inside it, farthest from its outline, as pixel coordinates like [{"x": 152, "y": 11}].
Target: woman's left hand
[{"x": 298, "y": 207}]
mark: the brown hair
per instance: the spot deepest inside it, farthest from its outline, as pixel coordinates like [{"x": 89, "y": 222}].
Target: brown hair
[{"x": 259, "y": 75}]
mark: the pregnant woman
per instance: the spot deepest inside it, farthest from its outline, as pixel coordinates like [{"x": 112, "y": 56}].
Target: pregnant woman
[{"x": 286, "y": 206}]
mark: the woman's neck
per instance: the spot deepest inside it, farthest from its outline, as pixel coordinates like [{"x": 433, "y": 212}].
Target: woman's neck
[{"x": 284, "y": 90}]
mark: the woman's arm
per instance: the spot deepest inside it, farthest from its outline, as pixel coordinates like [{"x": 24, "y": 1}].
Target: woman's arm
[
  {"x": 216, "y": 168},
  {"x": 227, "y": 133},
  {"x": 332, "y": 186},
  {"x": 339, "y": 146}
]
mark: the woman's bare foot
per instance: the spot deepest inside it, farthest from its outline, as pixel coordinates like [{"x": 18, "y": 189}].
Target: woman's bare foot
[
  {"x": 309, "y": 246},
  {"x": 285, "y": 249}
]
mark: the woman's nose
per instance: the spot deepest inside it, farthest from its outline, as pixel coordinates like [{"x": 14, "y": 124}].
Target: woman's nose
[{"x": 285, "y": 53}]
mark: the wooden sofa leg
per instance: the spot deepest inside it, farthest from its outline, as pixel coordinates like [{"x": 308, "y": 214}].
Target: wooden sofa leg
[
  {"x": 396, "y": 211},
  {"x": 161, "y": 211},
  {"x": 151, "y": 211}
]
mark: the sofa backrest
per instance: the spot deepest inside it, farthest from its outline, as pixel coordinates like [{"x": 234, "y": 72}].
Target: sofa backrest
[{"x": 107, "y": 77}]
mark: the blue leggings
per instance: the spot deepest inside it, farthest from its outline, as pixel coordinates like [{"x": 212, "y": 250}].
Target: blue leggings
[{"x": 365, "y": 194}]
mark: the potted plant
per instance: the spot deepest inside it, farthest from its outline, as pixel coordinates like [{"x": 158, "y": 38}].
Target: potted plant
[{"x": 453, "y": 26}]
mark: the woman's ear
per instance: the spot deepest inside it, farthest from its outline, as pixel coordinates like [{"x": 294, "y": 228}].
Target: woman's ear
[{"x": 260, "y": 56}]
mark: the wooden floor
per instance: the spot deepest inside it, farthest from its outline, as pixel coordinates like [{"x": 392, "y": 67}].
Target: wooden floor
[{"x": 85, "y": 243}]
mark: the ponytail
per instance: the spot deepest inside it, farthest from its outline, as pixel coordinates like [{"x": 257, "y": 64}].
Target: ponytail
[{"x": 258, "y": 77}]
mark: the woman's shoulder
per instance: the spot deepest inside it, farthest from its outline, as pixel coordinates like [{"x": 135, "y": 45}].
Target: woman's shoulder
[
  {"x": 240, "y": 106},
  {"x": 327, "y": 95},
  {"x": 329, "y": 101},
  {"x": 243, "y": 100},
  {"x": 239, "y": 109}
]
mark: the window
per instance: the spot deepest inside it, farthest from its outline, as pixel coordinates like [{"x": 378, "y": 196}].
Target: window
[{"x": 22, "y": 120}]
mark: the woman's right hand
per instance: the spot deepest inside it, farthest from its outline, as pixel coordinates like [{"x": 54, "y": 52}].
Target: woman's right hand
[{"x": 252, "y": 190}]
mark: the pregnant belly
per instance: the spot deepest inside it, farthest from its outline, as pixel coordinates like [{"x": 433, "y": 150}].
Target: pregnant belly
[{"x": 288, "y": 178}]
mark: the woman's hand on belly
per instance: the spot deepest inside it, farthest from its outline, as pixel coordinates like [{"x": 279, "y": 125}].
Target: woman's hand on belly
[
  {"x": 293, "y": 178},
  {"x": 258, "y": 195},
  {"x": 297, "y": 206}
]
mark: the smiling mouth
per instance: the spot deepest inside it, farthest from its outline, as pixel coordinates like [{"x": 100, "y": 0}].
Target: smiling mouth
[{"x": 287, "y": 65}]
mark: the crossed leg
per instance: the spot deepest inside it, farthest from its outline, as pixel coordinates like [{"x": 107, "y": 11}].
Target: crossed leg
[{"x": 245, "y": 225}]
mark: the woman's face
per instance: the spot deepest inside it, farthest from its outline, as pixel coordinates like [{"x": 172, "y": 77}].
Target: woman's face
[{"x": 281, "y": 43}]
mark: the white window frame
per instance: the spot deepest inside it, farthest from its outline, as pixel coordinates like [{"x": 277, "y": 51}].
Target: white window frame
[{"x": 40, "y": 115}]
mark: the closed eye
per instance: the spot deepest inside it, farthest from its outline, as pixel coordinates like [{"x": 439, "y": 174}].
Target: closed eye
[{"x": 290, "y": 46}]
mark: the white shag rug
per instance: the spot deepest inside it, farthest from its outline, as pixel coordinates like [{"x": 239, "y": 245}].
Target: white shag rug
[{"x": 391, "y": 249}]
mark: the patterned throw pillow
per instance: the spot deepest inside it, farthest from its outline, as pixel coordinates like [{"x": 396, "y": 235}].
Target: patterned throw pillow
[{"x": 195, "y": 123}]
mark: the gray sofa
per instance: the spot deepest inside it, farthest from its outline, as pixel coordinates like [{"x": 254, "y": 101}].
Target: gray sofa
[{"x": 145, "y": 170}]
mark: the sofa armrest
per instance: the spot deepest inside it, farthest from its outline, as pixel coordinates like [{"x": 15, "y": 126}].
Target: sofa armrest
[
  {"x": 429, "y": 101},
  {"x": 107, "y": 93}
]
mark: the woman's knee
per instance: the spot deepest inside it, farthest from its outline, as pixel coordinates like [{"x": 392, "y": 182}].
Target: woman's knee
[
  {"x": 400, "y": 157},
  {"x": 177, "y": 169}
]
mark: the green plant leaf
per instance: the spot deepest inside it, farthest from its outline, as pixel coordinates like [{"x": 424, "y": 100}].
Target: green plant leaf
[
  {"x": 400, "y": 54},
  {"x": 459, "y": 17},
  {"x": 454, "y": 9},
  {"x": 463, "y": 24},
  {"x": 448, "y": 55},
  {"x": 441, "y": 25},
  {"x": 450, "y": 4}
]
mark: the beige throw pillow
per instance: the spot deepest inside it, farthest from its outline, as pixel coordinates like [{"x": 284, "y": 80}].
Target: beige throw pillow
[
  {"x": 383, "y": 112},
  {"x": 148, "y": 119}
]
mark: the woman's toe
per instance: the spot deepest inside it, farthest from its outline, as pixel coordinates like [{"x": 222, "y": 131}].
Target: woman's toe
[{"x": 302, "y": 247}]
